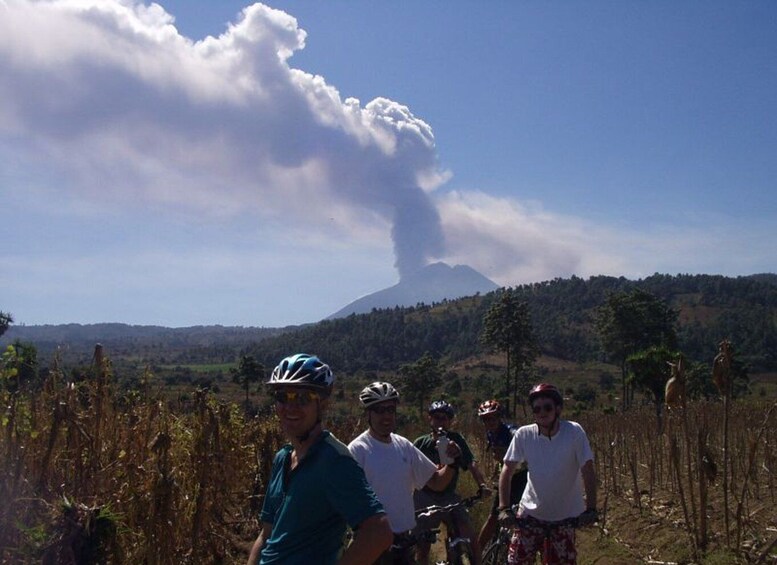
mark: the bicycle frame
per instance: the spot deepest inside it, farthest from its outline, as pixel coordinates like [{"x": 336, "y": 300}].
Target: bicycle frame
[
  {"x": 456, "y": 546},
  {"x": 495, "y": 552}
]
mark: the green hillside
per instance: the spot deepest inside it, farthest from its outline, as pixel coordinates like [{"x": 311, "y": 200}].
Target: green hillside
[
  {"x": 742, "y": 309},
  {"x": 711, "y": 308}
]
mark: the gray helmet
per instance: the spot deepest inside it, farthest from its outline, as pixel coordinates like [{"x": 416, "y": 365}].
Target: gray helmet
[
  {"x": 303, "y": 370},
  {"x": 377, "y": 392}
]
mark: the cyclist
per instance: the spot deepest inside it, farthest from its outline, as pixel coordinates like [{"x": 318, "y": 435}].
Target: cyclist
[
  {"x": 557, "y": 453},
  {"x": 441, "y": 415},
  {"x": 316, "y": 487},
  {"x": 499, "y": 434},
  {"x": 394, "y": 467}
]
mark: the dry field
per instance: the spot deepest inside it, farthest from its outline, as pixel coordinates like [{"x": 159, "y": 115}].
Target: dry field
[{"x": 91, "y": 476}]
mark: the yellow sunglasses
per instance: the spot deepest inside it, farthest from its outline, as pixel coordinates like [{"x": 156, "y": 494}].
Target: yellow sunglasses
[{"x": 296, "y": 397}]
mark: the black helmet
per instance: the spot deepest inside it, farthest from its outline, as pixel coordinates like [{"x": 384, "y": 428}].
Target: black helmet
[{"x": 441, "y": 406}]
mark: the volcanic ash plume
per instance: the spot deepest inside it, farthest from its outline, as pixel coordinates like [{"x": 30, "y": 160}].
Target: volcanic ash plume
[{"x": 110, "y": 95}]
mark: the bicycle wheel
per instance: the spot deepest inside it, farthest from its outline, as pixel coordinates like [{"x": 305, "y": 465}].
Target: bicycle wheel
[
  {"x": 495, "y": 554},
  {"x": 462, "y": 555}
]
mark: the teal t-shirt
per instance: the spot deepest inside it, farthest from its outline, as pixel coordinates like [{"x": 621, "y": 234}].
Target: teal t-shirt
[
  {"x": 310, "y": 506},
  {"x": 428, "y": 446}
]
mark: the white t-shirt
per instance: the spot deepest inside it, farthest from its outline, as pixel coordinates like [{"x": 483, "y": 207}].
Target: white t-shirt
[
  {"x": 555, "y": 487},
  {"x": 394, "y": 470}
]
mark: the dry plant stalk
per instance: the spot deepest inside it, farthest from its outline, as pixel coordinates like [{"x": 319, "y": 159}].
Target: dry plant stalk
[
  {"x": 721, "y": 376},
  {"x": 165, "y": 477},
  {"x": 751, "y": 460}
]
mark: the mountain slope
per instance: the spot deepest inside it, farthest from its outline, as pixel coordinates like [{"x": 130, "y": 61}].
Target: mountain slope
[{"x": 433, "y": 283}]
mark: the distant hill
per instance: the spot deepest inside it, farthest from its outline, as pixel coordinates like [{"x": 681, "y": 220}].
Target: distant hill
[
  {"x": 199, "y": 335},
  {"x": 75, "y": 342},
  {"x": 711, "y": 307},
  {"x": 433, "y": 283},
  {"x": 770, "y": 278}
]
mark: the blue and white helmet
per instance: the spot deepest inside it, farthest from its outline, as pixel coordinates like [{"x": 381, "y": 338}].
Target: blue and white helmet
[{"x": 303, "y": 370}]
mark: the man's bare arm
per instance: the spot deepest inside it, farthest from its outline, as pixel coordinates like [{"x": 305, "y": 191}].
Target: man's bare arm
[
  {"x": 505, "y": 482},
  {"x": 373, "y": 538},
  {"x": 589, "y": 483},
  {"x": 441, "y": 478},
  {"x": 253, "y": 558},
  {"x": 477, "y": 474}
]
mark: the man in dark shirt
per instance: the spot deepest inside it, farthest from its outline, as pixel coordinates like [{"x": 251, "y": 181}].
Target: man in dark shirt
[
  {"x": 441, "y": 416},
  {"x": 499, "y": 434}
]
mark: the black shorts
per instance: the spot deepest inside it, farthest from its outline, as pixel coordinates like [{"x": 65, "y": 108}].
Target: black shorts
[{"x": 517, "y": 486}]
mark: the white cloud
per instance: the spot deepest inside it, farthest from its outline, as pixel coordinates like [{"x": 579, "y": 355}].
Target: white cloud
[{"x": 514, "y": 243}]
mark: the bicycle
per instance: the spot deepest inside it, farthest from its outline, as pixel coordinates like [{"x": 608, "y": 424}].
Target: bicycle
[
  {"x": 401, "y": 550},
  {"x": 495, "y": 553},
  {"x": 458, "y": 549}
]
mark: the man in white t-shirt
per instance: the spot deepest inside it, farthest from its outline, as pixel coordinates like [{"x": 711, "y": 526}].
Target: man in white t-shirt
[
  {"x": 394, "y": 467},
  {"x": 558, "y": 455}
]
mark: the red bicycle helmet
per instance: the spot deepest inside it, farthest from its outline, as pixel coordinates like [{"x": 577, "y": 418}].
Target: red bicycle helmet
[
  {"x": 546, "y": 390},
  {"x": 489, "y": 407}
]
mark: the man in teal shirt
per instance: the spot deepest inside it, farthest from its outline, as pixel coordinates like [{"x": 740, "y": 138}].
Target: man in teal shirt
[{"x": 316, "y": 488}]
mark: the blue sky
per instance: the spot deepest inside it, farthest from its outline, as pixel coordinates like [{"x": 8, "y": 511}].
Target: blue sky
[{"x": 191, "y": 163}]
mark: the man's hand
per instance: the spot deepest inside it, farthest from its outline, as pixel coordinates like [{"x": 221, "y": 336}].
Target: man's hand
[
  {"x": 484, "y": 491},
  {"x": 506, "y": 517},
  {"x": 453, "y": 450},
  {"x": 588, "y": 517}
]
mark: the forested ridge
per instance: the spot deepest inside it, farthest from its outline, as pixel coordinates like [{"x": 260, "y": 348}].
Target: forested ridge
[
  {"x": 742, "y": 309},
  {"x": 711, "y": 307}
]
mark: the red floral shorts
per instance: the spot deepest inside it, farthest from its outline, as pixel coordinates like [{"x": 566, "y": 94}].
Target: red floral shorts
[{"x": 557, "y": 544}]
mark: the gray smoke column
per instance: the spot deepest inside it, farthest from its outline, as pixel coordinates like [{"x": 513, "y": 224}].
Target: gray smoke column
[
  {"x": 416, "y": 232},
  {"x": 109, "y": 93}
]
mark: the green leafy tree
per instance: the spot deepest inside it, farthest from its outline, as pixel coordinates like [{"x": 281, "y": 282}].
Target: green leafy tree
[
  {"x": 649, "y": 371},
  {"x": 248, "y": 371},
  {"x": 19, "y": 366},
  {"x": 698, "y": 383},
  {"x": 507, "y": 328},
  {"x": 420, "y": 379},
  {"x": 5, "y": 321},
  {"x": 630, "y": 322}
]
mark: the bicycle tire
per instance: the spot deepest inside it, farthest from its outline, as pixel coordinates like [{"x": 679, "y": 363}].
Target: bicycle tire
[
  {"x": 463, "y": 555},
  {"x": 495, "y": 554}
]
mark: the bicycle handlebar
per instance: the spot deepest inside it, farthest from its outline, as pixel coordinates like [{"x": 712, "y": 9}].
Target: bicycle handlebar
[
  {"x": 412, "y": 539},
  {"x": 436, "y": 509}
]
